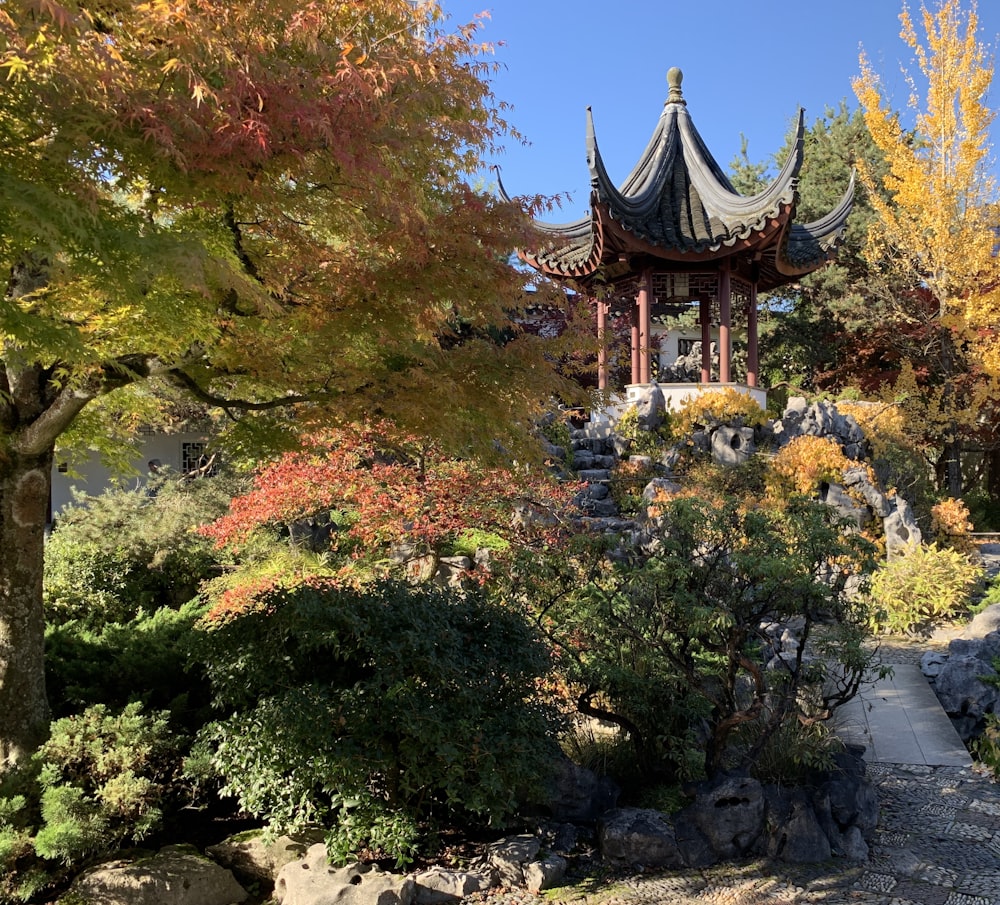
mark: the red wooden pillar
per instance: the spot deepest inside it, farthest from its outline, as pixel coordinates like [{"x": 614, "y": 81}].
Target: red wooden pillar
[
  {"x": 705, "y": 318},
  {"x": 635, "y": 343},
  {"x": 602, "y": 352},
  {"x": 645, "y": 323},
  {"x": 725, "y": 321},
  {"x": 753, "y": 361}
]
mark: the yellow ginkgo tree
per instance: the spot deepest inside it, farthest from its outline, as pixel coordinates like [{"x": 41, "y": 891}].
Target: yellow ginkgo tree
[{"x": 936, "y": 229}]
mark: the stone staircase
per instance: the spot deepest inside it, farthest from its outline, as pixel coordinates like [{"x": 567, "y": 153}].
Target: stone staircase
[{"x": 592, "y": 457}]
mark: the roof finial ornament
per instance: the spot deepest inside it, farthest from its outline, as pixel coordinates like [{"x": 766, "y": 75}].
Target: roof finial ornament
[{"x": 674, "y": 79}]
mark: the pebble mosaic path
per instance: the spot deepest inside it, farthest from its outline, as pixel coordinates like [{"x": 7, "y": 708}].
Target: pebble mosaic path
[{"x": 937, "y": 843}]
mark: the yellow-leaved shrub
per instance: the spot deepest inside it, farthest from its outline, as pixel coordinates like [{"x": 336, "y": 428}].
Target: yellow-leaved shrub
[
  {"x": 928, "y": 584},
  {"x": 716, "y": 407}
]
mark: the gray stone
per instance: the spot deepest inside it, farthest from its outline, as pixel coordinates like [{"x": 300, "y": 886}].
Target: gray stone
[
  {"x": 852, "y": 846},
  {"x": 651, "y": 407},
  {"x": 578, "y": 793},
  {"x": 901, "y": 529},
  {"x": 594, "y": 474},
  {"x": 983, "y": 623},
  {"x": 961, "y": 690},
  {"x": 846, "y": 506},
  {"x": 694, "y": 846},
  {"x": 253, "y": 859},
  {"x": 545, "y": 874},
  {"x": 630, "y": 836},
  {"x": 729, "y": 812},
  {"x": 732, "y": 445},
  {"x": 313, "y": 881},
  {"x": 799, "y": 839},
  {"x": 932, "y": 662},
  {"x": 598, "y": 491},
  {"x": 438, "y": 886},
  {"x": 176, "y": 875},
  {"x": 508, "y": 857}
]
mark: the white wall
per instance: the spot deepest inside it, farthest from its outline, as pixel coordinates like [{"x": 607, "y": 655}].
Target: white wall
[{"x": 95, "y": 478}]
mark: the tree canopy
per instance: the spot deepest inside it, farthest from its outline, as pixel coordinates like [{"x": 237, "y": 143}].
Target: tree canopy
[
  {"x": 265, "y": 204},
  {"x": 935, "y": 233}
]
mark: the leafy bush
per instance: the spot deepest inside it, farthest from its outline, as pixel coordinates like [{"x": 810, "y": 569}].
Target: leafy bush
[
  {"x": 927, "y": 584},
  {"x": 628, "y": 480},
  {"x": 725, "y": 406},
  {"x": 669, "y": 646},
  {"x": 806, "y": 462},
  {"x": 101, "y": 780},
  {"x": 951, "y": 524},
  {"x": 114, "y": 664},
  {"x": 126, "y": 551},
  {"x": 376, "y": 711},
  {"x": 642, "y": 442}
]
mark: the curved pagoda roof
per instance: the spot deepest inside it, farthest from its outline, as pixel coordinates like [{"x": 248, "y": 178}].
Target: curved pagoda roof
[{"x": 677, "y": 205}]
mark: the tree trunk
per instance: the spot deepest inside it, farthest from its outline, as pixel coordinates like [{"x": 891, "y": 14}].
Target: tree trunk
[{"x": 25, "y": 482}]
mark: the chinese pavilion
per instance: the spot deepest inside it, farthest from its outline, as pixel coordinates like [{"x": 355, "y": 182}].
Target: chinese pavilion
[{"x": 676, "y": 235}]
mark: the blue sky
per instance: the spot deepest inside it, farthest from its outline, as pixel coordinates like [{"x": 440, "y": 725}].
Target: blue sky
[{"x": 748, "y": 66}]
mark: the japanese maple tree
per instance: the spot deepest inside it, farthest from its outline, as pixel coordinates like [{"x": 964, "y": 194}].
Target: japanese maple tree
[
  {"x": 399, "y": 496},
  {"x": 265, "y": 204}
]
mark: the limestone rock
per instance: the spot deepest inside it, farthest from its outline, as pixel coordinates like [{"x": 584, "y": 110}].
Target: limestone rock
[
  {"x": 729, "y": 812},
  {"x": 799, "y": 839},
  {"x": 438, "y": 886},
  {"x": 545, "y": 874},
  {"x": 176, "y": 875},
  {"x": 313, "y": 881},
  {"x": 732, "y": 445},
  {"x": 961, "y": 689},
  {"x": 639, "y": 836},
  {"x": 251, "y": 859},
  {"x": 577, "y": 793},
  {"x": 508, "y": 857}
]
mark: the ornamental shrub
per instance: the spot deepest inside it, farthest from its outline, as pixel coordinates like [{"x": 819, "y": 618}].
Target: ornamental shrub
[
  {"x": 669, "y": 645},
  {"x": 806, "y": 462},
  {"x": 115, "y": 554},
  {"x": 378, "y": 712},
  {"x": 950, "y": 524},
  {"x": 144, "y": 660},
  {"x": 725, "y": 406},
  {"x": 929, "y": 583},
  {"x": 102, "y": 779}
]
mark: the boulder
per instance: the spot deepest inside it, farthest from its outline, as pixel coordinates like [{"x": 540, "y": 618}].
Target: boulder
[
  {"x": 729, "y": 813},
  {"x": 544, "y": 874},
  {"x": 901, "y": 529},
  {"x": 252, "y": 859},
  {"x": 313, "y": 881},
  {"x": 438, "y": 886},
  {"x": 508, "y": 857},
  {"x": 964, "y": 695},
  {"x": 578, "y": 793},
  {"x": 798, "y": 838},
  {"x": 630, "y": 836},
  {"x": 651, "y": 407},
  {"x": 176, "y": 875},
  {"x": 732, "y": 445}
]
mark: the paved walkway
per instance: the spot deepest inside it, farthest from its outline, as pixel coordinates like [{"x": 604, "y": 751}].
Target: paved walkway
[{"x": 937, "y": 843}]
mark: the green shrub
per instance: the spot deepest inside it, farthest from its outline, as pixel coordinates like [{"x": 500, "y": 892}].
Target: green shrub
[
  {"x": 101, "y": 780},
  {"x": 642, "y": 442},
  {"x": 376, "y": 711},
  {"x": 145, "y": 660},
  {"x": 126, "y": 551},
  {"x": 927, "y": 584},
  {"x": 668, "y": 645}
]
